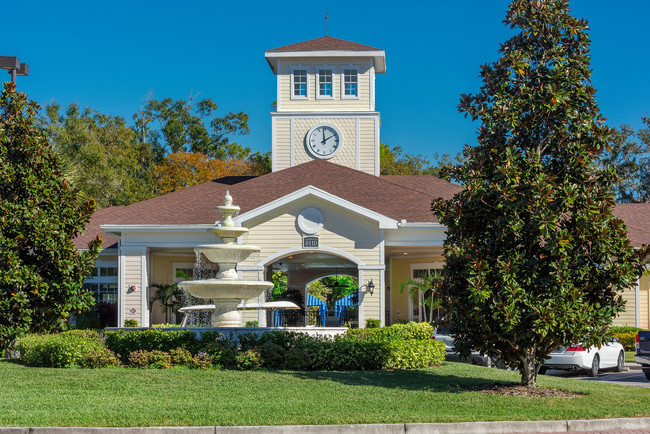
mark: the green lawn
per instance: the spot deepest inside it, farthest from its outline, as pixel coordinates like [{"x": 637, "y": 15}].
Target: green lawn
[
  {"x": 629, "y": 356},
  {"x": 133, "y": 397}
]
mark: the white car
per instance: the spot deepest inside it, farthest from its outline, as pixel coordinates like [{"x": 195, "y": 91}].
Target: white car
[{"x": 577, "y": 357}]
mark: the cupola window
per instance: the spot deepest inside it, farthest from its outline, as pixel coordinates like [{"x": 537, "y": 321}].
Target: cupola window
[
  {"x": 325, "y": 83},
  {"x": 350, "y": 83},
  {"x": 299, "y": 83}
]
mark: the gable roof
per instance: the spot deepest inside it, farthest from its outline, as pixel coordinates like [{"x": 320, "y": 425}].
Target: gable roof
[
  {"x": 93, "y": 229},
  {"x": 326, "y": 46},
  {"x": 195, "y": 205},
  {"x": 325, "y": 43}
]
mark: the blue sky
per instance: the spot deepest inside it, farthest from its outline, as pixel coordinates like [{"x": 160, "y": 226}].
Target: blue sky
[{"x": 110, "y": 55}]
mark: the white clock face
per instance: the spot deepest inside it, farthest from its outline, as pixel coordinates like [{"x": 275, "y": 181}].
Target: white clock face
[{"x": 323, "y": 141}]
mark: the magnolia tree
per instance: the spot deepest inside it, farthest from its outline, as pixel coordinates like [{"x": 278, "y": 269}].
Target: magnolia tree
[
  {"x": 535, "y": 257},
  {"x": 41, "y": 272}
]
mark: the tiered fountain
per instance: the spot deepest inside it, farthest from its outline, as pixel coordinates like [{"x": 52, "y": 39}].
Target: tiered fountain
[{"x": 226, "y": 291}]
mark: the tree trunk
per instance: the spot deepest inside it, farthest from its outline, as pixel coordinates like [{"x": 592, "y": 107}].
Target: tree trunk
[{"x": 529, "y": 370}]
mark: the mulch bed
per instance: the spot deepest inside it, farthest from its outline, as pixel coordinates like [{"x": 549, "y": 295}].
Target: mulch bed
[{"x": 519, "y": 390}]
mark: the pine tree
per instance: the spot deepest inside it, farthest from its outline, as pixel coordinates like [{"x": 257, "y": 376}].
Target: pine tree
[
  {"x": 41, "y": 272},
  {"x": 535, "y": 258}
]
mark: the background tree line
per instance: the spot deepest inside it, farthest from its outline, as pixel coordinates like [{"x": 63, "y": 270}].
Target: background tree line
[
  {"x": 174, "y": 144},
  {"x": 171, "y": 144}
]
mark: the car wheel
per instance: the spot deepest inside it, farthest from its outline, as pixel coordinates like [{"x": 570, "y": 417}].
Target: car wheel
[
  {"x": 542, "y": 370},
  {"x": 647, "y": 375},
  {"x": 595, "y": 365},
  {"x": 620, "y": 362}
]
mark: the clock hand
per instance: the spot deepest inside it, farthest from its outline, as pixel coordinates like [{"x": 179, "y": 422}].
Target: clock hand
[
  {"x": 328, "y": 138},
  {"x": 324, "y": 140}
]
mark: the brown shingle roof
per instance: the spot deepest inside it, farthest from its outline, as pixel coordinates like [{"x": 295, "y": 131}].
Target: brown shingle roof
[
  {"x": 195, "y": 205},
  {"x": 637, "y": 219},
  {"x": 100, "y": 217},
  {"x": 425, "y": 184},
  {"x": 325, "y": 43}
]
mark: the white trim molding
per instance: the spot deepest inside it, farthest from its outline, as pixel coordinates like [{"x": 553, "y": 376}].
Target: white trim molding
[
  {"x": 637, "y": 303},
  {"x": 371, "y": 105},
  {"x": 292, "y": 148},
  {"x": 377, "y": 150},
  {"x": 378, "y": 56},
  {"x": 357, "y": 143},
  {"x": 299, "y": 249},
  {"x": 383, "y": 221},
  {"x": 325, "y": 114},
  {"x": 274, "y": 150}
]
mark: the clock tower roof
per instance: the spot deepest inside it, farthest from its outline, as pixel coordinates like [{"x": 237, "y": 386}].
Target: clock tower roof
[{"x": 327, "y": 46}]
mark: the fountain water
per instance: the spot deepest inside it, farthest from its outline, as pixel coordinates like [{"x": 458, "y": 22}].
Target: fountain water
[{"x": 225, "y": 290}]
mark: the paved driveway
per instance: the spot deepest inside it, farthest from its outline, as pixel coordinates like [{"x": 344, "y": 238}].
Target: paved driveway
[{"x": 633, "y": 377}]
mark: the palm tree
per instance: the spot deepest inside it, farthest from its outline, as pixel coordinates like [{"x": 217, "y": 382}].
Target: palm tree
[{"x": 428, "y": 287}]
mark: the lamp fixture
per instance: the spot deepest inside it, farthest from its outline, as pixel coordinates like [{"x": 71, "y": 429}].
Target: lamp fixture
[{"x": 370, "y": 287}]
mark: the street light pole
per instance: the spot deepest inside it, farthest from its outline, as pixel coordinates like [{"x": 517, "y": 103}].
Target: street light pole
[{"x": 14, "y": 67}]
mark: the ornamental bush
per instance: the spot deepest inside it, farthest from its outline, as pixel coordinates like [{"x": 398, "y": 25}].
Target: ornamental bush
[
  {"x": 628, "y": 340},
  {"x": 74, "y": 348},
  {"x": 624, "y": 329},
  {"x": 124, "y": 342},
  {"x": 249, "y": 360},
  {"x": 153, "y": 359},
  {"x": 411, "y": 330}
]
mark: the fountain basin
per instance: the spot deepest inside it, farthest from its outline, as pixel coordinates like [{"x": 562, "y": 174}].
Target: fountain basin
[
  {"x": 228, "y": 253},
  {"x": 228, "y": 232},
  {"x": 225, "y": 289}
]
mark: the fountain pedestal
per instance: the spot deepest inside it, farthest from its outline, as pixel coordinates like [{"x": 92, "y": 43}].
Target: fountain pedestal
[{"x": 226, "y": 291}]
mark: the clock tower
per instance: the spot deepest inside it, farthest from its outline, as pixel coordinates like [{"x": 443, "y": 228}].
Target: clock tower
[{"x": 326, "y": 103}]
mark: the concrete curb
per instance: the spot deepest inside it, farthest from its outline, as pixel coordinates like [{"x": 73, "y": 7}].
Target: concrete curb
[
  {"x": 397, "y": 428},
  {"x": 633, "y": 366}
]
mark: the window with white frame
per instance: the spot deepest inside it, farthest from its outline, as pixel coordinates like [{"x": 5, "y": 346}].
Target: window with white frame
[
  {"x": 103, "y": 282},
  {"x": 325, "y": 80},
  {"x": 299, "y": 83},
  {"x": 350, "y": 83}
]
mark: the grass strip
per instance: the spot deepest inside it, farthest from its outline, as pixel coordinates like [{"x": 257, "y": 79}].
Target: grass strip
[{"x": 134, "y": 397}]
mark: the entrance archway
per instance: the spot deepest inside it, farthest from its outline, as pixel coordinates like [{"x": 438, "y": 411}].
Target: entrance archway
[{"x": 294, "y": 271}]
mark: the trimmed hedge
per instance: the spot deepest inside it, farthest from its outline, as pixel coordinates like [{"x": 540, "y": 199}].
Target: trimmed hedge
[
  {"x": 74, "y": 348},
  {"x": 624, "y": 329},
  {"x": 401, "y": 346},
  {"x": 408, "y": 331},
  {"x": 124, "y": 342}
]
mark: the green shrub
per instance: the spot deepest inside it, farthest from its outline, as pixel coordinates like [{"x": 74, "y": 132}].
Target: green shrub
[
  {"x": 272, "y": 355},
  {"x": 202, "y": 361},
  {"x": 153, "y": 359},
  {"x": 249, "y": 360},
  {"x": 411, "y": 330},
  {"x": 248, "y": 341},
  {"x": 74, "y": 348},
  {"x": 624, "y": 329},
  {"x": 297, "y": 359},
  {"x": 414, "y": 354},
  {"x": 130, "y": 323},
  {"x": 99, "y": 358},
  {"x": 252, "y": 324},
  {"x": 181, "y": 357},
  {"x": 223, "y": 351},
  {"x": 124, "y": 342},
  {"x": 628, "y": 340},
  {"x": 373, "y": 323}
]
